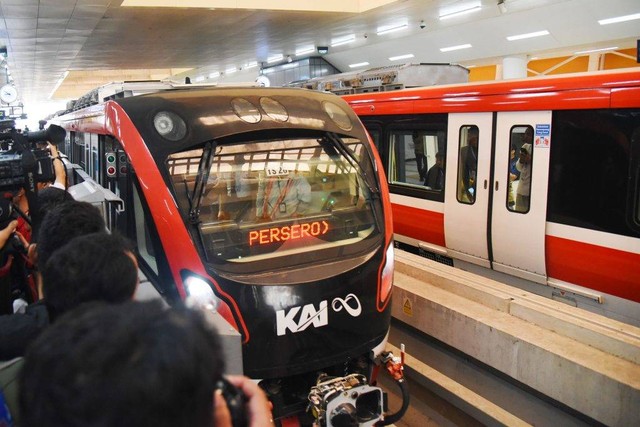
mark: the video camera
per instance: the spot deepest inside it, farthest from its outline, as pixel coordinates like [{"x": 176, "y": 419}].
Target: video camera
[{"x": 22, "y": 162}]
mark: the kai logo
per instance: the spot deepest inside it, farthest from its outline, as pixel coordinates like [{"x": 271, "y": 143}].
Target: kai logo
[{"x": 299, "y": 318}]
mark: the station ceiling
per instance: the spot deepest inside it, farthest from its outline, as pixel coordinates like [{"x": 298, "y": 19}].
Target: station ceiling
[{"x": 60, "y": 49}]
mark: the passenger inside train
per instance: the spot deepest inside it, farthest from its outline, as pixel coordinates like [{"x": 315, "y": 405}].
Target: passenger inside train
[{"x": 468, "y": 165}]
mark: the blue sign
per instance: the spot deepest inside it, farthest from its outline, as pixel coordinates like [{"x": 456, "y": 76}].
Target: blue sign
[{"x": 543, "y": 130}]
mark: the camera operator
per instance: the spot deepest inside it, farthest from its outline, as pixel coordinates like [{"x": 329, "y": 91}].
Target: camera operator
[
  {"x": 25, "y": 168},
  {"x": 131, "y": 364}
]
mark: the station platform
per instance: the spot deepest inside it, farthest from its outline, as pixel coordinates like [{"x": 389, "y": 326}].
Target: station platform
[{"x": 581, "y": 360}]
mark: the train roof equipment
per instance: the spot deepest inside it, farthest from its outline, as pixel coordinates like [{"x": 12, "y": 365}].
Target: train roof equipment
[{"x": 392, "y": 77}]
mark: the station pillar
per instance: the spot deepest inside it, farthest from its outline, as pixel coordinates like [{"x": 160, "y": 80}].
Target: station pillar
[{"x": 514, "y": 67}]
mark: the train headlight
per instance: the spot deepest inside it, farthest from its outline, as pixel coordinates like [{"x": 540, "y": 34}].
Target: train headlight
[
  {"x": 338, "y": 115},
  {"x": 169, "y": 125},
  {"x": 246, "y": 111},
  {"x": 274, "y": 109},
  {"x": 386, "y": 278},
  {"x": 200, "y": 295}
]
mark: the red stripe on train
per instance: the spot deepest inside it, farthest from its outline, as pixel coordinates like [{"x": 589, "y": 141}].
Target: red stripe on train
[
  {"x": 424, "y": 225},
  {"x": 595, "y": 267}
]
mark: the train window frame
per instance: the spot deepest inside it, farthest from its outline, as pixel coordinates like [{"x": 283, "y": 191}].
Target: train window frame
[
  {"x": 376, "y": 133},
  {"x": 590, "y": 175},
  {"x": 461, "y": 191},
  {"x": 433, "y": 142},
  {"x": 521, "y": 131},
  {"x": 633, "y": 191},
  {"x": 140, "y": 222}
]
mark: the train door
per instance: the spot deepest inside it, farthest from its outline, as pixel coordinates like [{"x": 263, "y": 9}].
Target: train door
[
  {"x": 467, "y": 196},
  {"x": 519, "y": 207}
]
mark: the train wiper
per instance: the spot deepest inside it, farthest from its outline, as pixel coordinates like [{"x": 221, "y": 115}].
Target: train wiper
[
  {"x": 201, "y": 179},
  {"x": 346, "y": 152}
]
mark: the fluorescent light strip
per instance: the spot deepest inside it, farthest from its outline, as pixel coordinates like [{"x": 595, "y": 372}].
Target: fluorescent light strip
[
  {"x": 305, "y": 51},
  {"x": 275, "y": 58},
  {"x": 360, "y": 64},
  {"x": 340, "y": 42},
  {"x": 214, "y": 75},
  {"x": 595, "y": 50},
  {"x": 399, "y": 57},
  {"x": 458, "y": 47},
  {"x": 387, "y": 30},
  {"x": 58, "y": 83},
  {"x": 249, "y": 65},
  {"x": 528, "y": 35},
  {"x": 477, "y": 6},
  {"x": 619, "y": 19},
  {"x": 231, "y": 70},
  {"x": 199, "y": 79}
]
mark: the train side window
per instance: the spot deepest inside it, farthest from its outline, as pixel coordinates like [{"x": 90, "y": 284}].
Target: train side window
[
  {"x": 467, "y": 163},
  {"x": 143, "y": 237},
  {"x": 520, "y": 165},
  {"x": 635, "y": 178},
  {"x": 375, "y": 132},
  {"x": 590, "y": 170},
  {"x": 78, "y": 150},
  {"x": 413, "y": 156}
]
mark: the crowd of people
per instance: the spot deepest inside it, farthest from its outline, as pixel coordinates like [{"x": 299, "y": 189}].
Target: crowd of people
[{"x": 78, "y": 350}]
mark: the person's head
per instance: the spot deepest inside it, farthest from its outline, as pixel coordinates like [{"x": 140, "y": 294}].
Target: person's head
[
  {"x": 525, "y": 153},
  {"x": 93, "y": 267},
  {"x": 132, "y": 364},
  {"x": 48, "y": 198},
  {"x": 527, "y": 136},
  {"x": 439, "y": 158},
  {"x": 472, "y": 136},
  {"x": 63, "y": 222}
]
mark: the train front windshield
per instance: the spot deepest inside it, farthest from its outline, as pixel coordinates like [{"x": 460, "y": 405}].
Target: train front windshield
[{"x": 286, "y": 202}]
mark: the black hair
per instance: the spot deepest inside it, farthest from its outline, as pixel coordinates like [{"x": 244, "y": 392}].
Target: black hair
[
  {"x": 93, "y": 267},
  {"x": 48, "y": 198},
  {"x": 65, "y": 221},
  {"x": 126, "y": 365}
]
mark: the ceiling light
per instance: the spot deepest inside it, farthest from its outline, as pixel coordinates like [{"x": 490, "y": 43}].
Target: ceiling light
[
  {"x": 458, "y": 47},
  {"x": 214, "y": 75},
  {"x": 251, "y": 64},
  {"x": 343, "y": 40},
  {"x": 475, "y": 6},
  {"x": 582, "y": 52},
  {"x": 305, "y": 51},
  {"x": 199, "y": 79},
  {"x": 231, "y": 70},
  {"x": 387, "y": 30},
  {"x": 619, "y": 19},
  {"x": 528, "y": 35},
  {"x": 399, "y": 57},
  {"x": 359, "y": 64},
  {"x": 275, "y": 58}
]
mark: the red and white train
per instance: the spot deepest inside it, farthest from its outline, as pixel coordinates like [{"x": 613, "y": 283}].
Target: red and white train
[{"x": 578, "y": 238}]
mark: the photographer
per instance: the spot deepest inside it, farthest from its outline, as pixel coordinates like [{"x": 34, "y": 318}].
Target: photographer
[
  {"x": 132, "y": 364},
  {"x": 25, "y": 168}
]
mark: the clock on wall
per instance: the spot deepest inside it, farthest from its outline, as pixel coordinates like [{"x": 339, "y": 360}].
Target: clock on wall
[{"x": 8, "y": 94}]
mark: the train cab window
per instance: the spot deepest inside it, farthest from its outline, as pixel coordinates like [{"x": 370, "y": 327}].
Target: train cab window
[
  {"x": 416, "y": 158},
  {"x": 467, "y": 164},
  {"x": 520, "y": 166},
  {"x": 282, "y": 201}
]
